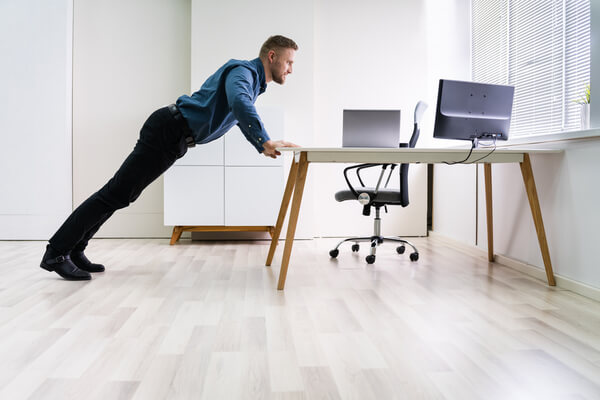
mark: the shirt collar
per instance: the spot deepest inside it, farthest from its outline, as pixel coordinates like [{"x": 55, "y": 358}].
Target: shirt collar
[{"x": 261, "y": 74}]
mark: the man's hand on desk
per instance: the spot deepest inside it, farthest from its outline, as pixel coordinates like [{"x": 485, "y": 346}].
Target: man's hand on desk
[{"x": 270, "y": 147}]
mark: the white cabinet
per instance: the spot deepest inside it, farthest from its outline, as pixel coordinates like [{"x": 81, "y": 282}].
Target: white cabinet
[
  {"x": 226, "y": 185},
  {"x": 252, "y": 195},
  {"x": 194, "y": 195}
]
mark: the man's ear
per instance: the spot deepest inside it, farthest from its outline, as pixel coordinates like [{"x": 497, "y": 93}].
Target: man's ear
[{"x": 271, "y": 55}]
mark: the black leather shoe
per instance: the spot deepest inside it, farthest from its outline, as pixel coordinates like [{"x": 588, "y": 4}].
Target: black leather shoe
[
  {"x": 83, "y": 263},
  {"x": 63, "y": 266}
]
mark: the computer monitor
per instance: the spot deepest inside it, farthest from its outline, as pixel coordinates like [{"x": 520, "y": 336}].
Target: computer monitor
[
  {"x": 473, "y": 111},
  {"x": 371, "y": 128}
]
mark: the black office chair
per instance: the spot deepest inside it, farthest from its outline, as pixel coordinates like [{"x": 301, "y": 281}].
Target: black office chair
[{"x": 381, "y": 197}]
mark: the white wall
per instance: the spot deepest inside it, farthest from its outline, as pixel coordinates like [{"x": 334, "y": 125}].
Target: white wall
[
  {"x": 130, "y": 58},
  {"x": 448, "y": 47},
  {"x": 339, "y": 65},
  {"x": 131, "y": 61},
  {"x": 449, "y": 55},
  {"x": 374, "y": 56},
  {"x": 567, "y": 198},
  {"x": 35, "y": 117}
]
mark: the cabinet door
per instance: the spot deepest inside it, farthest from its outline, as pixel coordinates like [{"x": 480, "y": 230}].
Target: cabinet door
[
  {"x": 238, "y": 151},
  {"x": 204, "y": 154},
  {"x": 194, "y": 195},
  {"x": 252, "y": 195}
]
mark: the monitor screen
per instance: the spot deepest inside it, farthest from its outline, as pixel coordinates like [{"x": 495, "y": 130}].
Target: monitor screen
[
  {"x": 371, "y": 128},
  {"x": 473, "y": 111}
]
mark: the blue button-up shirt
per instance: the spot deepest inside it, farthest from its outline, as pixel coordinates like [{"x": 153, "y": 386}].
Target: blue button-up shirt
[{"x": 226, "y": 99}]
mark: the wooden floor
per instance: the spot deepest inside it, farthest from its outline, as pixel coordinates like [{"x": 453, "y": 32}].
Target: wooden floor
[{"x": 204, "y": 320}]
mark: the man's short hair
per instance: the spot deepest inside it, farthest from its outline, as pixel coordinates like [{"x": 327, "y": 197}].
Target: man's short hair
[{"x": 276, "y": 42}]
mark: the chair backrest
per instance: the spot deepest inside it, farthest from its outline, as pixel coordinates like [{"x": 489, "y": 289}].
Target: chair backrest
[{"x": 419, "y": 110}]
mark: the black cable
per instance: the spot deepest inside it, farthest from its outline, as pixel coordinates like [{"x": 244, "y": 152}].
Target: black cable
[
  {"x": 487, "y": 155},
  {"x": 471, "y": 151},
  {"x": 468, "y": 155}
]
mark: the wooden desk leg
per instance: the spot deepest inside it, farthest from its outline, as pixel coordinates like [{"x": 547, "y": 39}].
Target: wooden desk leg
[
  {"x": 285, "y": 201},
  {"x": 487, "y": 169},
  {"x": 177, "y": 231},
  {"x": 536, "y": 213},
  {"x": 289, "y": 239}
]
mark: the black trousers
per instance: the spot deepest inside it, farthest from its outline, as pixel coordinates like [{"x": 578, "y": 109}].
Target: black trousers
[{"x": 162, "y": 141}]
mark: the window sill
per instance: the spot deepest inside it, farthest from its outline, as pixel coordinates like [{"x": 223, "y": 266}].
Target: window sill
[{"x": 552, "y": 138}]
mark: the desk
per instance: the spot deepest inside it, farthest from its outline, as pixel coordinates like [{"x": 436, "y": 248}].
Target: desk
[{"x": 304, "y": 156}]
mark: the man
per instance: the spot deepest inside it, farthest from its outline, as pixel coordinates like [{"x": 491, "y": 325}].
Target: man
[{"x": 225, "y": 99}]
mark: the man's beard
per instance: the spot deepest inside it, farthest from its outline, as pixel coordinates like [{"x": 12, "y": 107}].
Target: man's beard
[{"x": 278, "y": 78}]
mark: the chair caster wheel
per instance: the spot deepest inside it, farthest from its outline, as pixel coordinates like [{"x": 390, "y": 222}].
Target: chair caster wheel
[
  {"x": 355, "y": 247},
  {"x": 414, "y": 256},
  {"x": 370, "y": 259},
  {"x": 400, "y": 249},
  {"x": 334, "y": 253}
]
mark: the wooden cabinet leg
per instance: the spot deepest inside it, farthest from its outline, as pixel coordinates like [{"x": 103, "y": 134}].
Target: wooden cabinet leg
[{"x": 177, "y": 230}]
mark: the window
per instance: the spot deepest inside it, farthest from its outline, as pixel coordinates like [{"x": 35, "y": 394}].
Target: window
[{"x": 542, "y": 48}]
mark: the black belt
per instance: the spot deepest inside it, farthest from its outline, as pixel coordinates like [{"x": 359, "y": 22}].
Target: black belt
[{"x": 189, "y": 139}]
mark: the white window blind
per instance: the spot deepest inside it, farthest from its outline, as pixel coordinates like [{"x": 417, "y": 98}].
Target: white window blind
[
  {"x": 577, "y": 54},
  {"x": 542, "y": 48},
  {"x": 490, "y": 41}
]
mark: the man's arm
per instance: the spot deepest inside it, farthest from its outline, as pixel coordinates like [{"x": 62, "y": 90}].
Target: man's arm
[{"x": 238, "y": 87}]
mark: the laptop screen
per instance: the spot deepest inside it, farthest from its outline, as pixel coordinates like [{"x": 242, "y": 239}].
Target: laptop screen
[{"x": 371, "y": 128}]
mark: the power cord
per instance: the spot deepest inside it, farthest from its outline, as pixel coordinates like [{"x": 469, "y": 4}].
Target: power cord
[
  {"x": 493, "y": 145},
  {"x": 473, "y": 141}
]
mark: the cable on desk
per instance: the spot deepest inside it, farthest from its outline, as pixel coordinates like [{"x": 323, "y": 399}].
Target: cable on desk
[{"x": 471, "y": 151}]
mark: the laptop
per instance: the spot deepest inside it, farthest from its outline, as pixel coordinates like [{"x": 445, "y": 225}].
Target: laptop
[{"x": 371, "y": 128}]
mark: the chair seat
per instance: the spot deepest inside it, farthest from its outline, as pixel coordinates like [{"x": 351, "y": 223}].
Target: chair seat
[{"x": 387, "y": 196}]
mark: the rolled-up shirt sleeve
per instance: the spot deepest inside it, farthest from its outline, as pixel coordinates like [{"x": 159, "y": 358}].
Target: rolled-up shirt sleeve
[{"x": 238, "y": 86}]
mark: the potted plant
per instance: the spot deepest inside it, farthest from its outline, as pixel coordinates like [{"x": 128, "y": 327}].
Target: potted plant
[{"x": 584, "y": 104}]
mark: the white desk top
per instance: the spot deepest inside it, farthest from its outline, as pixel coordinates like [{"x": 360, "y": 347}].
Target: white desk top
[{"x": 408, "y": 155}]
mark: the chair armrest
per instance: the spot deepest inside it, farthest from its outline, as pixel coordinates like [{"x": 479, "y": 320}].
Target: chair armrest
[
  {"x": 360, "y": 167},
  {"x": 354, "y": 192}
]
